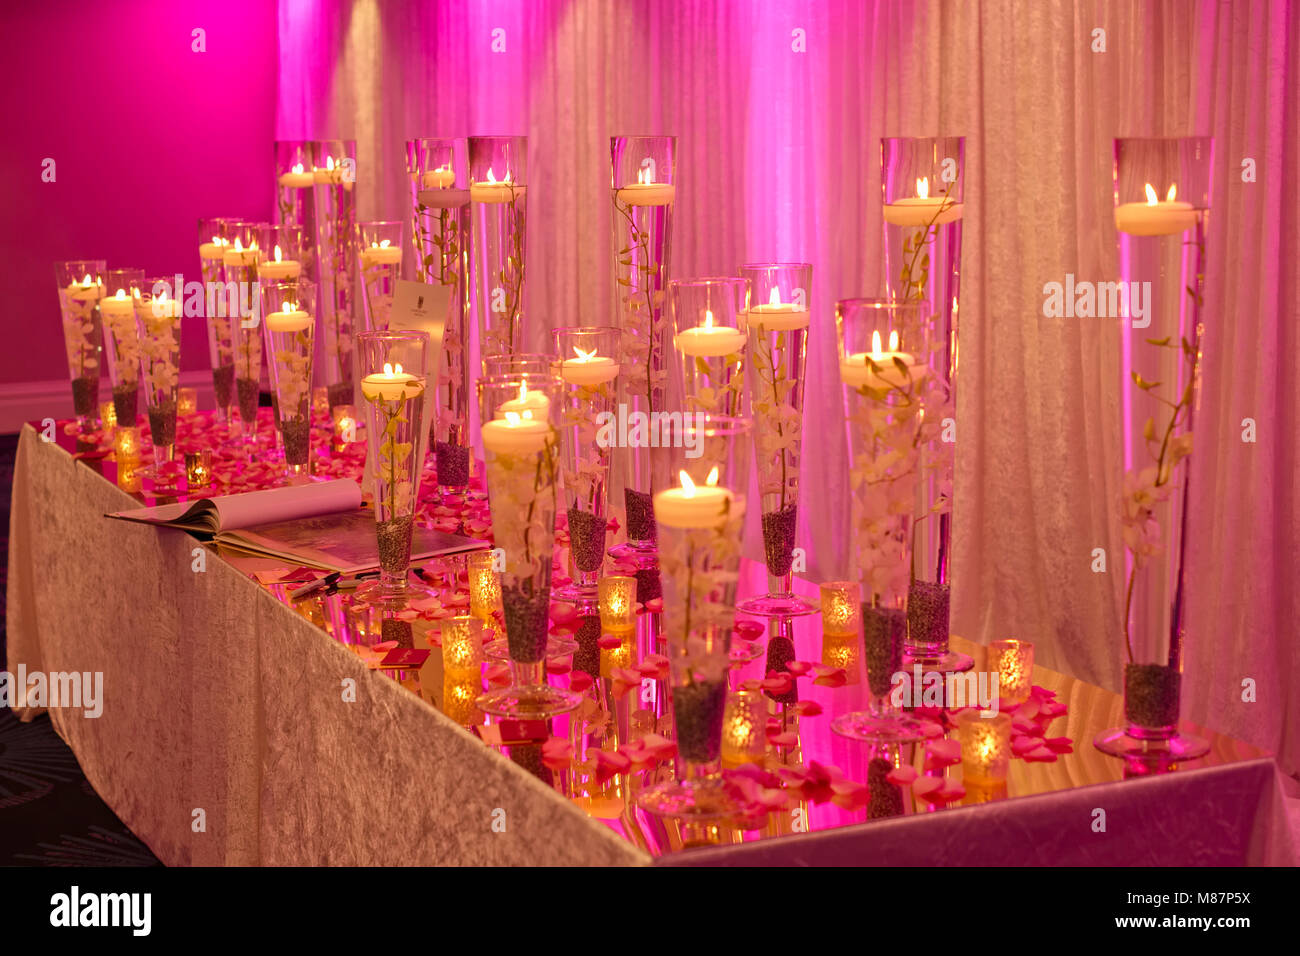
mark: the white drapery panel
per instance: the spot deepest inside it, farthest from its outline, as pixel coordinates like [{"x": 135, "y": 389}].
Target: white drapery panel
[{"x": 779, "y": 159}]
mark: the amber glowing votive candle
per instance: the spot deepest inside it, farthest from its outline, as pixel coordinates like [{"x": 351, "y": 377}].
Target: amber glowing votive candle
[
  {"x": 187, "y": 401},
  {"x": 198, "y": 468},
  {"x": 126, "y": 446},
  {"x": 462, "y": 646},
  {"x": 1013, "y": 661},
  {"x": 320, "y": 401},
  {"x": 744, "y": 729},
  {"x": 108, "y": 415},
  {"x": 985, "y": 746},
  {"x": 484, "y": 584},
  {"x": 616, "y": 595},
  {"x": 345, "y": 423},
  {"x": 843, "y": 650},
  {"x": 841, "y": 608}
]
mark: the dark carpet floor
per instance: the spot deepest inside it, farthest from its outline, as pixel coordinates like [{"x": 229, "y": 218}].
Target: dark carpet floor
[{"x": 49, "y": 814}]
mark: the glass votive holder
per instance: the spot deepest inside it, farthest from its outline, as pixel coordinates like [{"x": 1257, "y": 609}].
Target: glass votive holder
[
  {"x": 484, "y": 584},
  {"x": 462, "y": 646},
  {"x": 617, "y": 596},
  {"x": 187, "y": 401},
  {"x": 843, "y": 650},
  {"x": 198, "y": 468},
  {"x": 985, "y": 746},
  {"x": 622, "y": 656},
  {"x": 127, "y": 448},
  {"x": 345, "y": 423},
  {"x": 320, "y": 401},
  {"x": 1013, "y": 661},
  {"x": 744, "y": 729},
  {"x": 108, "y": 414},
  {"x": 841, "y": 608}
]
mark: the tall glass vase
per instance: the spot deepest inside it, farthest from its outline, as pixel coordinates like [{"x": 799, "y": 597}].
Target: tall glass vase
[
  {"x": 81, "y": 286},
  {"x": 1162, "y": 199},
  {"x": 643, "y": 177},
  {"x": 334, "y": 194},
  {"x": 295, "y": 200},
  {"x": 439, "y": 171},
  {"x": 777, "y": 319},
  {"x": 393, "y": 367},
  {"x": 588, "y": 365},
  {"x": 290, "y": 338},
  {"x": 380, "y": 256},
  {"x": 240, "y": 257},
  {"x": 498, "y": 195},
  {"x": 700, "y": 524},
  {"x": 923, "y": 182},
  {"x": 521, "y": 446},
  {"x": 122, "y": 341},
  {"x": 883, "y": 347},
  {"x": 213, "y": 237},
  {"x": 158, "y": 326}
]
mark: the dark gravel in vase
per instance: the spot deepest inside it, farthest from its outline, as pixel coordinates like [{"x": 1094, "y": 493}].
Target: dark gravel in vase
[
  {"x": 85, "y": 394},
  {"x": 697, "y": 715},
  {"x": 640, "y": 515},
  {"x": 883, "y": 632},
  {"x": 586, "y": 539},
  {"x": 780, "y": 652},
  {"x": 529, "y": 757},
  {"x": 649, "y": 585},
  {"x": 162, "y": 423},
  {"x": 884, "y": 799},
  {"x": 126, "y": 403},
  {"x": 778, "y": 539},
  {"x": 248, "y": 397},
  {"x": 223, "y": 384},
  {"x": 587, "y": 657},
  {"x": 400, "y": 631},
  {"x": 395, "y": 544},
  {"x": 526, "y": 618},
  {"x": 296, "y": 433},
  {"x": 927, "y": 613},
  {"x": 340, "y": 393},
  {"x": 1151, "y": 695},
  {"x": 452, "y": 463}
]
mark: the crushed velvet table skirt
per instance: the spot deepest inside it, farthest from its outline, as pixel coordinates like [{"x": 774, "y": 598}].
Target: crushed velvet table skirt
[{"x": 225, "y": 739}]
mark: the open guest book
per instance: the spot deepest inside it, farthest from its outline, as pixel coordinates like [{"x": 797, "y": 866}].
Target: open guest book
[{"x": 319, "y": 525}]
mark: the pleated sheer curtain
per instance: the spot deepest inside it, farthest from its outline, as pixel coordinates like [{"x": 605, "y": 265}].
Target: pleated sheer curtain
[{"x": 779, "y": 107}]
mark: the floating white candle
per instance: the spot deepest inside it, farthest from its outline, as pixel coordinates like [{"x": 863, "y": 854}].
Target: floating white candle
[
  {"x": 237, "y": 255},
  {"x": 85, "y": 290},
  {"x": 855, "y": 371},
  {"x": 214, "y": 249},
  {"x": 532, "y": 404},
  {"x": 491, "y": 191},
  {"x": 1154, "y": 218},
  {"x": 380, "y": 253},
  {"x": 330, "y": 174},
  {"x": 515, "y": 434},
  {"x": 646, "y": 192},
  {"x": 391, "y": 384},
  {"x": 292, "y": 319},
  {"x": 437, "y": 178},
  {"x": 588, "y": 368},
  {"x": 119, "y": 306},
  {"x": 163, "y": 306},
  {"x": 709, "y": 339},
  {"x": 778, "y": 316},
  {"x": 921, "y": 209},
  {"x": 692, "y": 505},
  {"x": 280, "y": 268},
  {"x": 297, "y": 178}
]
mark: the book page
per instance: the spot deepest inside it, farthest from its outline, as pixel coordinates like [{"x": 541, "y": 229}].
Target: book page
[{"x": 286, "y": 504}]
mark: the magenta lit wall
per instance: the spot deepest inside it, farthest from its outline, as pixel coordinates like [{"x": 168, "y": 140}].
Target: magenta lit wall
[{"x": 147, "y": 136}]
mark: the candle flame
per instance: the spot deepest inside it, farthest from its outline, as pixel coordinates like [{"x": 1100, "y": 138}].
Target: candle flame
[
  {"x": 1151, "y": 196},
  {"x": 1173, "y": 191},
  {"x": 277, "y": 253},
  {"x": 688, "y": 486},
  {"x": 297, "y": 168},
  {"x": 290, "y": 306},
  {"x": 86, "y": 281},
  {"x": 523, "y": 391},
  {"x": 329, "y": 162},
  {"x": 923, "y": 188},
  {"x": 893, "y": 340},
  {"x": 582, "y": 355},
  {"x": 513, "y": 418},
  {"x": 384, "y": 243},
  {"x": 121, "y": 294},
  {"x": 713, "y": 477},
  {"x": 491, "y": 176},
  {"x": 875, "y": 342},
  {"x": 645, "y": 176},
  {"x": 708, "y": 319},
  {"x": 238, "y": 247},
  {"x": 775, "y": 297}
]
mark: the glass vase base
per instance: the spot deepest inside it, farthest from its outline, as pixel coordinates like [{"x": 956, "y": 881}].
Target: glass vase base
[
  {"x": 889, "y": 729},
  {"x": 586, "y": 598},
  {"x": 950, "y": 662},
  {"x": 556, "y": 647},
  {"x": 742, "y": 651},
  {"x": 377, "y": 594},
  {"x": 1117, "y": 743},
  {"x": 701, "y": 798},
  {"x": 534, "y": 702},
  {"x": 777, "y": 605},
  {"x": 644, "y": 553}
]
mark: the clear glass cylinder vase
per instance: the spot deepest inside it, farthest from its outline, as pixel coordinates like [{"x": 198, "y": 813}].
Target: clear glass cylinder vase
[
  {"x": 498, "y": 195},
  {"x": 213, "y": 236},
  {"x": 334, "y": 194},
  {"x": 290, "y": 339},
  {"x": 1162, "y": 199},
  {"x": 923, "y": 185},
  {"x": 122, "y": 341},
  {"x": 81, "y": 286}
]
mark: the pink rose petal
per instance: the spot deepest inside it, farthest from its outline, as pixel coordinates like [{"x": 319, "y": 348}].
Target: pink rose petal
[{"x": 902, "y": 776}]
